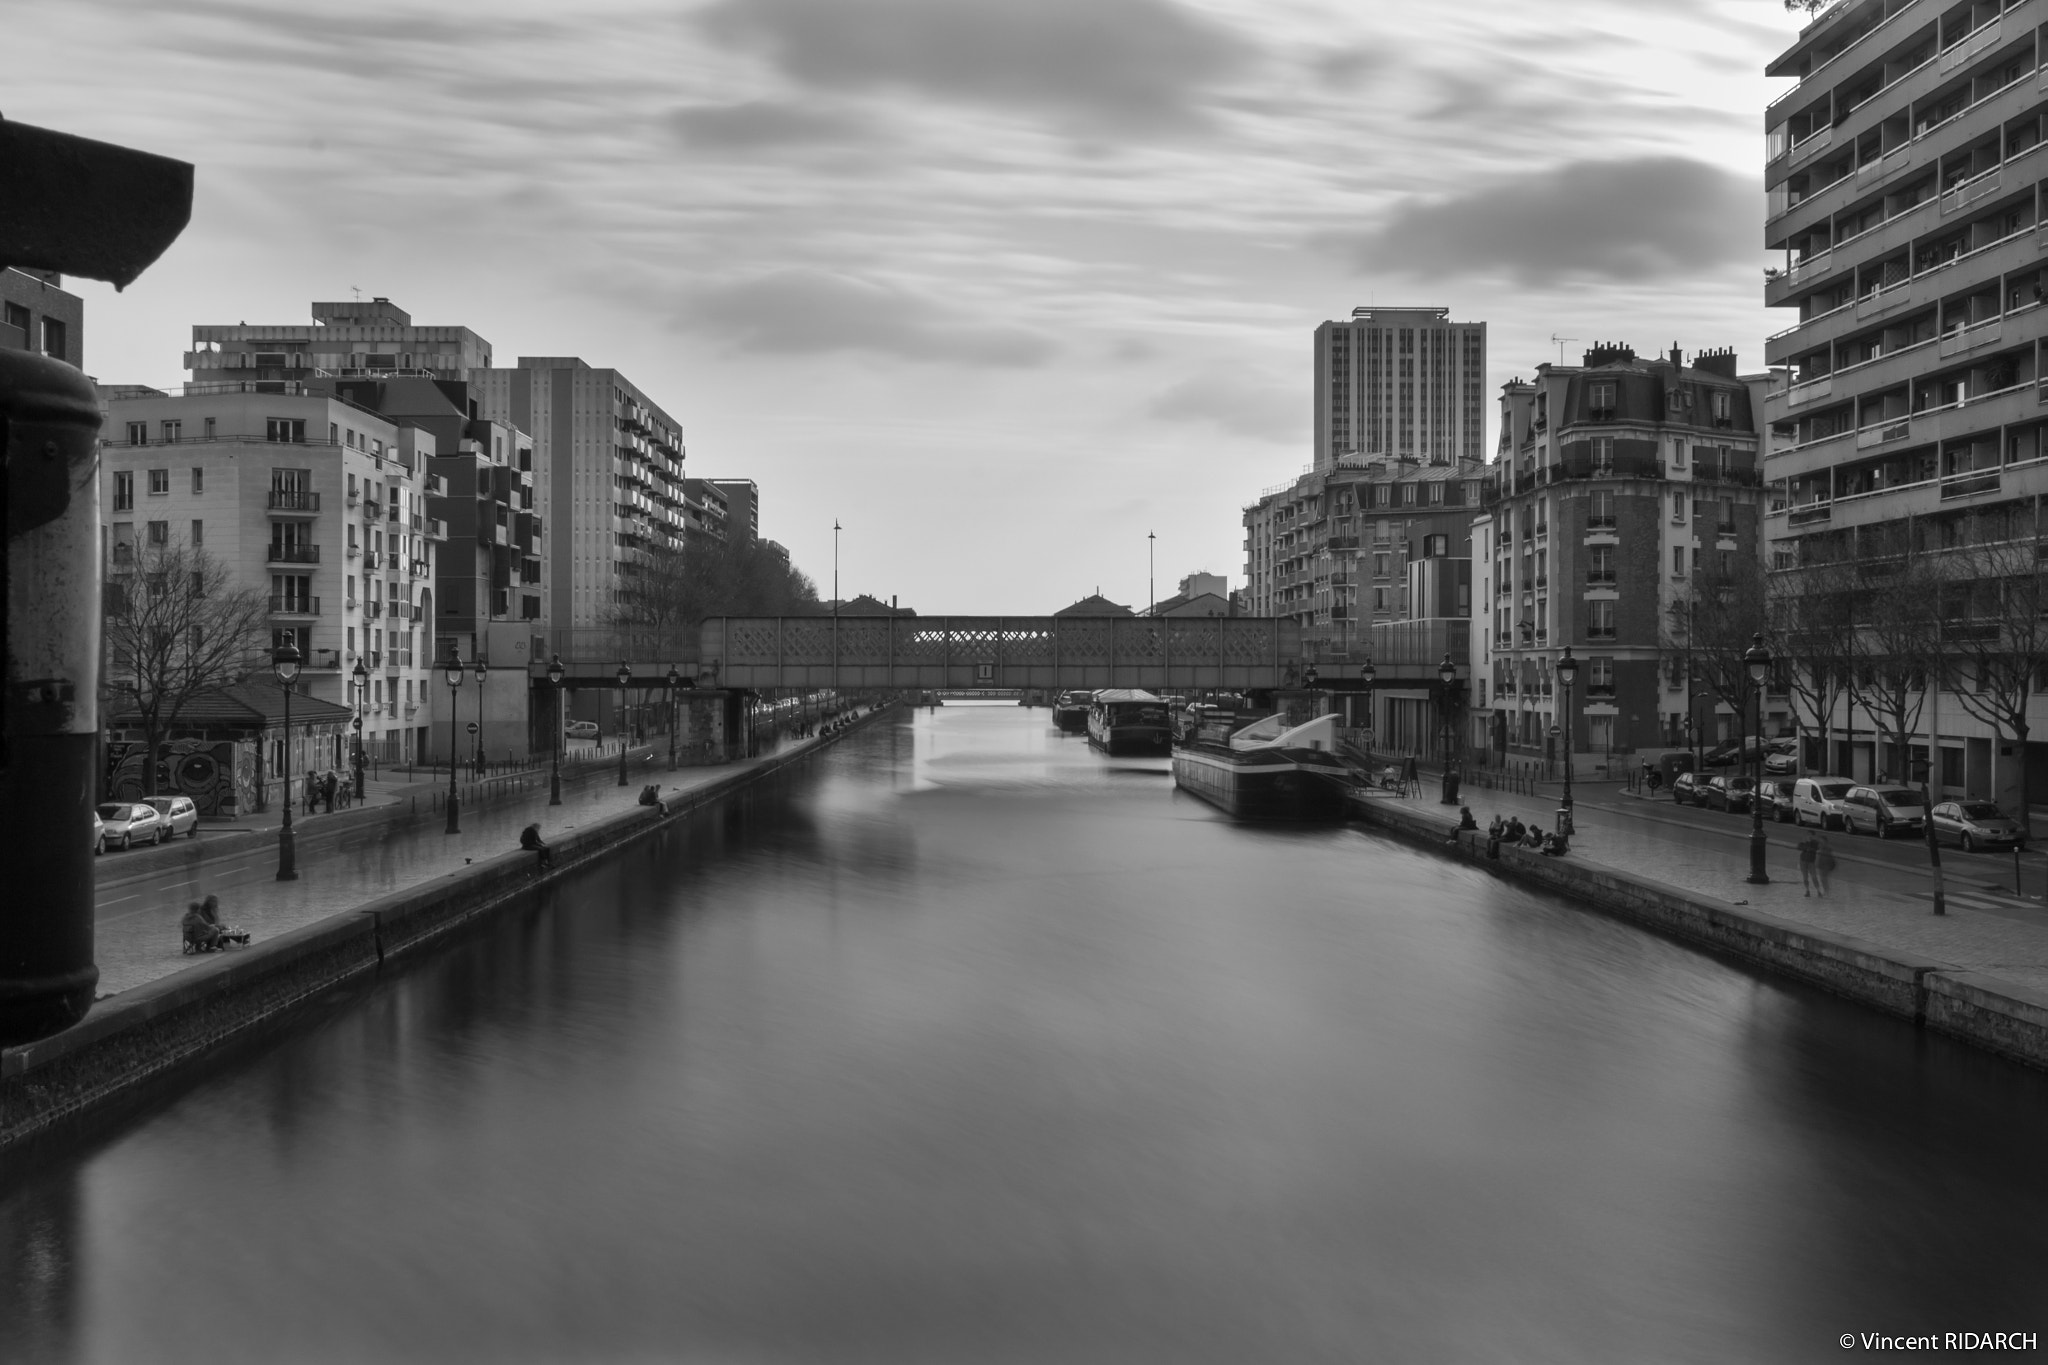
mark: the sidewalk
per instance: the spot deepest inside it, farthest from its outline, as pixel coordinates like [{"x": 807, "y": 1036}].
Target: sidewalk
[
  {"x": 1874, "y": 899},
  {"x": 136, "y": 922}
]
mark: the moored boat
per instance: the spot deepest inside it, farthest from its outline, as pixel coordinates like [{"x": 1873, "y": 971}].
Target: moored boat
[
  {"x": 1269, "y": 771},
  {"x": 1125, "y": 720},
  {"x": 1070, "y": 711}
]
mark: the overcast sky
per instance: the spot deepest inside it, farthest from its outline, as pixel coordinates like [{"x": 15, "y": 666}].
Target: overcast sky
[{"x": 1001, "y": 286}]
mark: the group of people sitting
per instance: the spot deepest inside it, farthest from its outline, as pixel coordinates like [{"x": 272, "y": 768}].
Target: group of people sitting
[
  {"x": 1511, "y": 830},
  {"x": 203, "y": 930}
]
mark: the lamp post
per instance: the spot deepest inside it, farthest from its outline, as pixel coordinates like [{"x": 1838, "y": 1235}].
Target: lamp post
[
  {"x": 1365, "y": 676},
  {"x": 1567, "y": 670},
  {"x": 1308, "y": 684},
  {"x": 362, "y": 679},
  {"x": 1758, "y": 660},
  {"x": 625, "y": 679},
  {"x": 451, "y": 671},
  {"x": 1447, "y": 673},
  {"x": 1921, "y": 775},
  {"x": 555, "y": 675},
  {"x": 481, "y": 665},
  {"x": 675, "y": 681},
  {"x": 1151, "y": 591},
  {"x": 284, "y": 663}
]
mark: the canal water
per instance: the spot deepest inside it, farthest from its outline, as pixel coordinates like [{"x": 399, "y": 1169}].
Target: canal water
[{"x": 964, "y": 1043}]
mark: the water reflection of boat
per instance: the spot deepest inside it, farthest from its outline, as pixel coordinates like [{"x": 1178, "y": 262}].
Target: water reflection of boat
[
  {"x": 1269, "y": 771},
  {"x": 1124, "y": 720},
  {"x": 1070, "y": 712}
]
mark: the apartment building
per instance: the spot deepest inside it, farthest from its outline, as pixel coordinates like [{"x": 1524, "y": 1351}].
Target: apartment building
[
  {"x": 38, "y": 314},
  {"x": 342, "y": 341},
  {"x": 1617, "y": 482},
  {"x": 1904, "y": 169},
  {"x": 1331, "y": 549},
  {"x": 743, "y": 509},
  {"x": 318, "y": 503},
  {"x": 1404, "y": 383},
  {"x": 608, "y": 476}
]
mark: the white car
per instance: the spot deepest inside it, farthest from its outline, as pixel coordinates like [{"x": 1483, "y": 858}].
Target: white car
[
  {"x": 1818, "y": 801},
  {"x": 179, "y": 814},
  {"x": 1781, "y": 756},
  {"x": 99, "y": 835},
  {"x": 1884, "y": 811},
  {"x": 580, "y": 729},
  {"x": 132, "y": 822}
]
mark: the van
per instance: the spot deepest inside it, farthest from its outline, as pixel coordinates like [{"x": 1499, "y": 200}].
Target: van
[
  {"x": 1818, "y": 801},
  {"x": 1884, "y": 811}
]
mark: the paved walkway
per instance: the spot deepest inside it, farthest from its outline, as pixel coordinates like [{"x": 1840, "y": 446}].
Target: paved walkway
[
  {"x": 1879, "y": 892},
  {"x": 137, "y": 937}
]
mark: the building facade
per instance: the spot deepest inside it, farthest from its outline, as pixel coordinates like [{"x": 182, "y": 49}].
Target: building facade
[
  {"x": 1400, "y": 382},
  {"x": 317, "y": 503},
  {"x": 742, "y": 509},
  {"x": 1904, "y": 171},
  {"x": 344, "y": 340},
  {"x": 1618, "y": 483},
  {"x": 38, "y": 314}
]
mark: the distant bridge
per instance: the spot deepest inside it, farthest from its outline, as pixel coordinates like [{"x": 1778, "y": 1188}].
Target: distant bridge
[{"x": 1167, "y": 654}]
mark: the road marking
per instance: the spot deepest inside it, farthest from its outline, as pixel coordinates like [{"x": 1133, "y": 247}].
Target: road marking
[{"x": 118, "y": 899}]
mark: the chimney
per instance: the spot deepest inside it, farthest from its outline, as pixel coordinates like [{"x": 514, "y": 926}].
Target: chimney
[{"x": 1677, "y": 357}]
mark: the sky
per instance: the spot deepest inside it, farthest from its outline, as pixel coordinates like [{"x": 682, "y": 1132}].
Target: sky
[{"x": 1000, "y": 287}]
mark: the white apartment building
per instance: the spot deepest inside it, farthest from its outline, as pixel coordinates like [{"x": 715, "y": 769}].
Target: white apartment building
[
  {"x": 1401, "y": 383},
  {"x": 315, "y": 502}
]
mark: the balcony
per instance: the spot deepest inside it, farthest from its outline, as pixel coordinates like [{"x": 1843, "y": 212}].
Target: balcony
[
  {"x": 1884, "y": 433},
  {"x": 1970, "y": 484},
  {"x": 372, "y": 607},
  {"x": 1811, "y": 390},
  {"x": 294, "y": 500},
  {"x": 1971, "y": 337},
  {"x": 372, "y": 560},
  {"x": 294, "y": 554},
  {"x": 354, "y": 496},
  {"x": 373, "y": 508},
  {"x": 1810, "y": 514},
  {"x": 1601, "y": 578},
  {"x": 417, "y": 568},
  {"x": 294, "y": 606},
  {"x": 1970, "y": 191},
  {"x": 437, "y": 529}
]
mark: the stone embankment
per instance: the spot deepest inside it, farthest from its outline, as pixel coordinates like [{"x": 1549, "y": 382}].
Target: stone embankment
[
  {"x": 160, "y": 1028},
  {"x": 2006, "y": 1017}
]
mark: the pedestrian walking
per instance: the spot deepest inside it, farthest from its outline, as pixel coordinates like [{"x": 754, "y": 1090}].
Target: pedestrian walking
[
  {"x": 312, "y": 793},
  {"x": 1824, "y": 863},
  {"x": 1809, "y": 854},
  {"x": 327, "y": 786}
]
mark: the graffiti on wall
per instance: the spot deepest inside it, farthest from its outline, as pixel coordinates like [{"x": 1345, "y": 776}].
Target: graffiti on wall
[{"x": 218, "y": 774}]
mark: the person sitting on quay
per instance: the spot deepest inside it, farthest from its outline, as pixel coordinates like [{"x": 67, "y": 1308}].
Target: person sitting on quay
[
  {"x": 1553, "y": 846},
  {"x": 1514, "y": 829},
  {"x": 530, "y": 840},
  {"x": 1534, "y": 838},
  {"x": 1465, "y": 822}
]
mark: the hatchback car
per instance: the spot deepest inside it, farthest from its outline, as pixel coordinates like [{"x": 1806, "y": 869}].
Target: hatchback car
[
  {"x": 581, "y": 729},
  {"x": 1725, "y": 792},
  {"x": 179, "y": 814},
  {"x": 1883, "y": 811},
  {"x": 99, "y": 834},
  {"x": 1776, "y": 794},
  {"x": 1975, "y": 825},
  {"x": 1686, "y": 789},
  {"x": 1818, "y": 801},
  {"x": 133, "y": 822},
  {"x": 1781, "y": 756}
]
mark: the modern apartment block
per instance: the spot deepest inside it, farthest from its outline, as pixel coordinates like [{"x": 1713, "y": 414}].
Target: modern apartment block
[
  {"x": 1402, "y": 383},
  {"x": 743, "y": 509},
  {"x": 1617, "y": 482},
  {"x": 609, "y": 476},
  {"x": 708, "y": 504},
  {"x": 344, "y": 340},
  {"x": 1905, "y": 171},
  {"x": 316, "y": 502},
  {"x": 1331, "y": 549},
  {"x": 38, "y": 314}
]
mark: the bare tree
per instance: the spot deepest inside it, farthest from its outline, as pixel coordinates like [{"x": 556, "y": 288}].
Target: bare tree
[
  {"x": 1712, "y": 623},
  {"x": 177, "y": 626},
  {"x": 1895, "y": 645},
  {"x": 1993, "y": 631},
  {"x": 1810, "y": 610},
  {"x": 679, "y": 586}
]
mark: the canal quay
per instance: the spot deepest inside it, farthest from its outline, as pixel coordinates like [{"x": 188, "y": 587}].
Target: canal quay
[{"x": 958, "y": 1040}]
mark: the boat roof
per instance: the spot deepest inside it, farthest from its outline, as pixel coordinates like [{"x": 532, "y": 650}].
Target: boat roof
[{"x": 1127, "y": 694}]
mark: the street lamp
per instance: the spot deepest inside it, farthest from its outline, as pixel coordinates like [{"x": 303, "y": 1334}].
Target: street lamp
[
  {"x": 1309, "y": 679},
  {"x": 555, "y": 675},
  {"x": 675, "y": 682},
  {"x": 625, "y": 678},
  {"x": 1921, "y": 775},
  {"x": 284, "y": 662},
  {"x": 1447, "y": 673},
  {"x": 362, "y": 680},
  {"x": 481, "y": 665},
  {"x": 452, "y": 672},
  {"x": 1758, "y": 660},
  {"x": 1567, "y": 670},
  {"x": 1365, "y": 676}
]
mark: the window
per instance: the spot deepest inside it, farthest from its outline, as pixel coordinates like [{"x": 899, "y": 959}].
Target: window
[
  {"x": 1600, "y": 675},
  {"x": 1603, "y": 454},
  {"x": 124, "y": 492},
  {"x": 19, "y": 317},
  {"x": 1407, "y": 495},
  {"x": 138, "y": 433},
  {"x": 174, "y": 432},
  {"x": 1678, "y": 561},
  {"x": 54, "y": 340},
  {"x": 1678, "y": 509},
  {"x": 159, "y": 482},
  {"x": 209, "y": 428},
  {"x": 1719, "y": 404},
  {"x": 1600, "y": 620},
  {"x": 334, "y": 433},
  {"x": 198, "y": 532},
  {"x": 159, "y": 533},
  {"x": 1600, "y": 401},
  {"x": 1600, "y": 564},
  {"x": 1436, "y": 494},
  {"x": 1600, "y": 511},
  {"x": 291, "y": 429},
  {"x": 1678, "y": 454},
  {"x": 198, "y": 479},
  {"x": 1436, "y": 545}
]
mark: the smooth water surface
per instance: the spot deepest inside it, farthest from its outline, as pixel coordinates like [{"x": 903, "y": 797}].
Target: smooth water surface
[{"x": 964, "y": 1043}]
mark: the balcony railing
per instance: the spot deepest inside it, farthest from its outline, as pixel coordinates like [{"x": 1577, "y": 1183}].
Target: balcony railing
[
  {"x": 372, "y": 559},
  {"x": 1884, "y": 433},
  {"x": 1810, "y": 513},
  {"x": 294, "y": 606},
  {"x": 373, "y": 607},
  {"x": 1601, "y": 578},
  {"x": 293, "y": 500},
  {"x": 294, "y": 554}
]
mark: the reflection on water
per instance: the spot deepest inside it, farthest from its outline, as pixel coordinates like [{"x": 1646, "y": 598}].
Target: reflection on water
[{"x": 966, "y": 1043}]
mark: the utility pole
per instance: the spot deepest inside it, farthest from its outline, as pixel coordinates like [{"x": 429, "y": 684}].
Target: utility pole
[{"x": 1151, "y": 591}]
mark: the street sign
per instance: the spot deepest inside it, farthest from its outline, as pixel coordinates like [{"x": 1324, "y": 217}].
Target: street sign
[
  {"x": 472, "y": 728},
  {"x": 1554, "y": 731}
]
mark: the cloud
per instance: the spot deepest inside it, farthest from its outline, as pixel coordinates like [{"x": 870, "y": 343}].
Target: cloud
[
  {"x": 801, "y": 311},
  {"x": 758, "y": 125},
  {"x": 1116, "y": 64},
  {"x": 1635, "y": 219},
  {"x": 1242, "y": 407}
]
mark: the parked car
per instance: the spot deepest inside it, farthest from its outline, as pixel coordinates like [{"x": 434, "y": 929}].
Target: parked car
[
  {"x": 179, "y": 814},
  {"x": 1729, "y": 793},
  {"x": 1776, "y": 794},
  {"x": 580, "y": 729},
  {"x": 1975, "y": 825},
  {"x": 1883, "y": 811},
  {"x": 1742, "y": 750},
  {"x": 1685, "y": 789},
  {"x": 99, "y": 835},
  {"x": 1781, "y": 756},
  {"x": 1818, "y": 800},
  {"x": 133, "y": 822}
]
